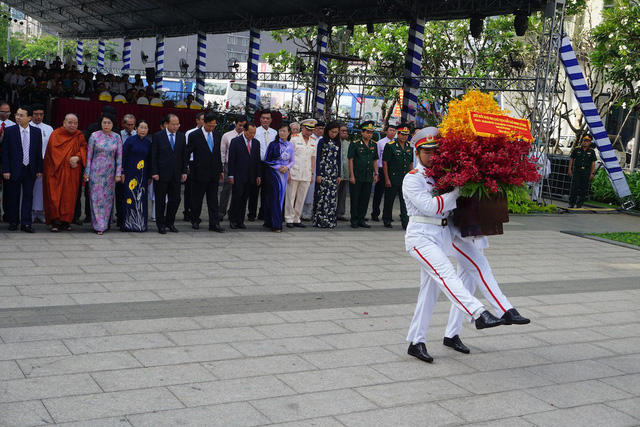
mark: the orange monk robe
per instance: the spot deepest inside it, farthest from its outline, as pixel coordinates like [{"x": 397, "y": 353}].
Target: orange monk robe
[{"x": 60, "y": 182}]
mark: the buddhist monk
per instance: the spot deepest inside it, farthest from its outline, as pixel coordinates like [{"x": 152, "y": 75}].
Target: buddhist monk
[{"x": 63, "y": 160}]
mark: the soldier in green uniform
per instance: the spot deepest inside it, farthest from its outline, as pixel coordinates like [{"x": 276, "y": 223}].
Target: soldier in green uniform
[
  {"x": 582, "y": 168},
  {"x": 363, "y": 173},
  {"x": 397, "y": 161}
]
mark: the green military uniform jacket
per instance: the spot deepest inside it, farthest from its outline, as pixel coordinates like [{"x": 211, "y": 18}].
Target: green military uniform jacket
[
  {"x": 363, "y": 158},
  {"x": 582, "y": 159},
  {"x": 398, "y": 161}
]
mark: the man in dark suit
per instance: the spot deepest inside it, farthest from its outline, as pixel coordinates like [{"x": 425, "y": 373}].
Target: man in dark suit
[
  {"x": 245, "y": 171},
  {"x": 169, "y": 170},
  {"x": 21, "y": 166},
  {"x": 206, "y": 171}
]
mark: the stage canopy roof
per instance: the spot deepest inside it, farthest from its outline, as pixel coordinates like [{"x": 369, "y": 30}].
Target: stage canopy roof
[{"x": 90, "y": 19}]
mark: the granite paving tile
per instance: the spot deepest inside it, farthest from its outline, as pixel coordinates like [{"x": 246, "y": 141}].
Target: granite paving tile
[
  {"x": 117, "y": 342},
  {"x": 128, "y": 379},
  {"x": 257, "y": 366},
  {"x": 20, "y": 414},
  {"x": 232, "y": 414},
  {"x": 46, "y": 387},
  {"x": 72, "y": 364},
  {"x": 404, "y": 393},
  {"x": 583, "y": 415}
]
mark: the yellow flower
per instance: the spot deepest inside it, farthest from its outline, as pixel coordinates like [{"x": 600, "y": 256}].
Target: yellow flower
[
  {"x": 132, "y": 184},
  {"x": 129, "y": 201},
  {"x": 457, "y": 119},
  {"x": 140, "y": 164}
]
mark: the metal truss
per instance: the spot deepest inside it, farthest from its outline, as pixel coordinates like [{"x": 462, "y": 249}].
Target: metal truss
[
  {"x": 526, "y": 85},
  {"x": 91, "y": 19}
]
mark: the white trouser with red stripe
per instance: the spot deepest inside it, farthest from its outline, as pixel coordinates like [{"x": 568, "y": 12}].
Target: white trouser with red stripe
[
  {"x": 437, "y": 273},
  {"x": 474, "y": 271}
]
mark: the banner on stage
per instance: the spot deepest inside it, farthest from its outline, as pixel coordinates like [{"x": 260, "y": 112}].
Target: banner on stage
[{"x": 485, "y": 124}]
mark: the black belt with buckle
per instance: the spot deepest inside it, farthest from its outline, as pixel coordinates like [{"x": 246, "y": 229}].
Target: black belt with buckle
[{"x": 444, "y": 222}]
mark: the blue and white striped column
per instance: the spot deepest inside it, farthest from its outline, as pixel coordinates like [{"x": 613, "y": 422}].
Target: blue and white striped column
[
  {"x": 79, "y": 54},
  {"x": 159, "y": 60},
  {"x": 252, "y": 70},
  {"x": 126, "y": 54},
  {"x": 412, "y": 67},
  {"x": 591, "y": 115},
  {"x": 100, "y": 54},
  {"x": 321, "y": 69},
  {"x": 201, "y": 64}
]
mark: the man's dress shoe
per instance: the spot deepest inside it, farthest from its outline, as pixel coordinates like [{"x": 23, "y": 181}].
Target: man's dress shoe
[
  {"x": 216, "y": 228},
  {"x": 242, "y": 226},
  {"x": 195, "y": 226},
  {"x": 162, "y": 230},
  {"x": 512, "y": 317},
  {"x": 233, "y": 226},
  {"x": 488, "y": 320},
  {"x": 289, "y": 225},
  {"x": 456, "y": 344},
  {"x": 420, "y": 351},
  {"x": 27, "y": 228},
  {"x": 172, "y": 229},
  {"x": 299, "y": 225},
  {"x": 364, "y": 225}
]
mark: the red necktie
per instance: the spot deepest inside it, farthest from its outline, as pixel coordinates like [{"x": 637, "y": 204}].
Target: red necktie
[
  {"x": 2, "y": 129},
  {"x": 248, "y": 146}
]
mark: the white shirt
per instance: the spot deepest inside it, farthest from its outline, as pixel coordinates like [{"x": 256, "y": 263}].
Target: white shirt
[
  {"x": 82, "y": 85},
  {"x": 8, "y": 123},
  {"x": 417, "y": 190},
  {"x": 384, "y": 141},
  {"x": 265, "y": 136},
  {"x": 302, "y": 169},
  {"x": 225, "y": 142},
  {"x": 46, "y": 133},
  {"x": 186, "y": 135},
  {"x": 25, "y": 137},
  {"x": 123, "y": 134},
  {"x": 206, "y": 134}
]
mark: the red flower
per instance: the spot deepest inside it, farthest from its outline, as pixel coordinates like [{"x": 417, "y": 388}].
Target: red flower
[{"x": 491, "y": 161}]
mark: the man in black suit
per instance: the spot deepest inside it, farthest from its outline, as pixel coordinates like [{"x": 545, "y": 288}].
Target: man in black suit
[
  {"x": 169, "y": 170},
  {"x": 245, "y": 171},
  {"x": 206, "y": 171},
  {"x": 21, "y": 166}
]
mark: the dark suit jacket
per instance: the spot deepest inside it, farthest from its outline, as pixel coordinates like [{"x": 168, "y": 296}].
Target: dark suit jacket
[
  {"x": 242, "y": 167},
  {"x": 12, "y": 151},
  {"x": 206, "y": 166},
  {"x": 168, "y": 164}
]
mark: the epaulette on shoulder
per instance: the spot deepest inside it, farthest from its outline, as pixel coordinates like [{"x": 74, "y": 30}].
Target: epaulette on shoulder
[{"x": 413, "y": 171}]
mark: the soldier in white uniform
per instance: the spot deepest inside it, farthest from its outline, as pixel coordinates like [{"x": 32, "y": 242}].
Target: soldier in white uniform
[
  {"x": 427, "y": 238},
  {"x": 301, "y": 174},
  {"x": 474, "y": 271}
]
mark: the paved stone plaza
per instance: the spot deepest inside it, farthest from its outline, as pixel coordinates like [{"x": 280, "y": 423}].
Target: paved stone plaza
[{"x": 307, "y": 328}]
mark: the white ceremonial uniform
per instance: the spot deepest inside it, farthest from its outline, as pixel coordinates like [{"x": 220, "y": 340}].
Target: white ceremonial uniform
[
  {"x": 426, "y": 242},
  {"x": 474, "y": 271},
  {"x": 265, "y": 136},
  {"x": 37, "y": 210},
  {"x": 300, "y": 176},
  {"x": 307, "y": 209}
]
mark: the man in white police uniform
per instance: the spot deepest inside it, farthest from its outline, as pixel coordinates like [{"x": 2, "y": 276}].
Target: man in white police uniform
[
  {"x": 474, "y": 271},
  {"x": 427, "y": 238}
]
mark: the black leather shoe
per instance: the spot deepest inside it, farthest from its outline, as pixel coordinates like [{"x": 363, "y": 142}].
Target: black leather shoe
[
  {"x": 27, "y": 228},
  {"x": 420, "y": 351},
  {"x": 195, "y": 226},
  {"x": 251, "y": 218},
  {"x": 388, "y": 225},
  {"x": 488, "y": 320},
  {"x": 216, "y": 228},
  {"x": 233, "y": 225},
  {"x": 375, "y": 218},
  {"x": 86, "y": 220},
  {"x": 354, "y": 225},
  {"x": 162, "y": 230},
  {"x": 242, "y": 226},
  {"x": 456, "y": 344},
  {"x": 364, "y": 225},
  {"x": 299, "y": 225},
  {"x": 512, "y": 317},
  {"x": 172, "y": 229},
  {"x": 289, "y": 225},
  {"x": 13, "y": 227}
]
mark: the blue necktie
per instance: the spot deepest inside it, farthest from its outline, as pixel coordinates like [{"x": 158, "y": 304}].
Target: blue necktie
[
  {"x": 172, "y": 141},
  {"x": 210, "y": 141}
]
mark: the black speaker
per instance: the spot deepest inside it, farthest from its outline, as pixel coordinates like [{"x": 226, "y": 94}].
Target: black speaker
[{"x": 151, "y": 75}]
